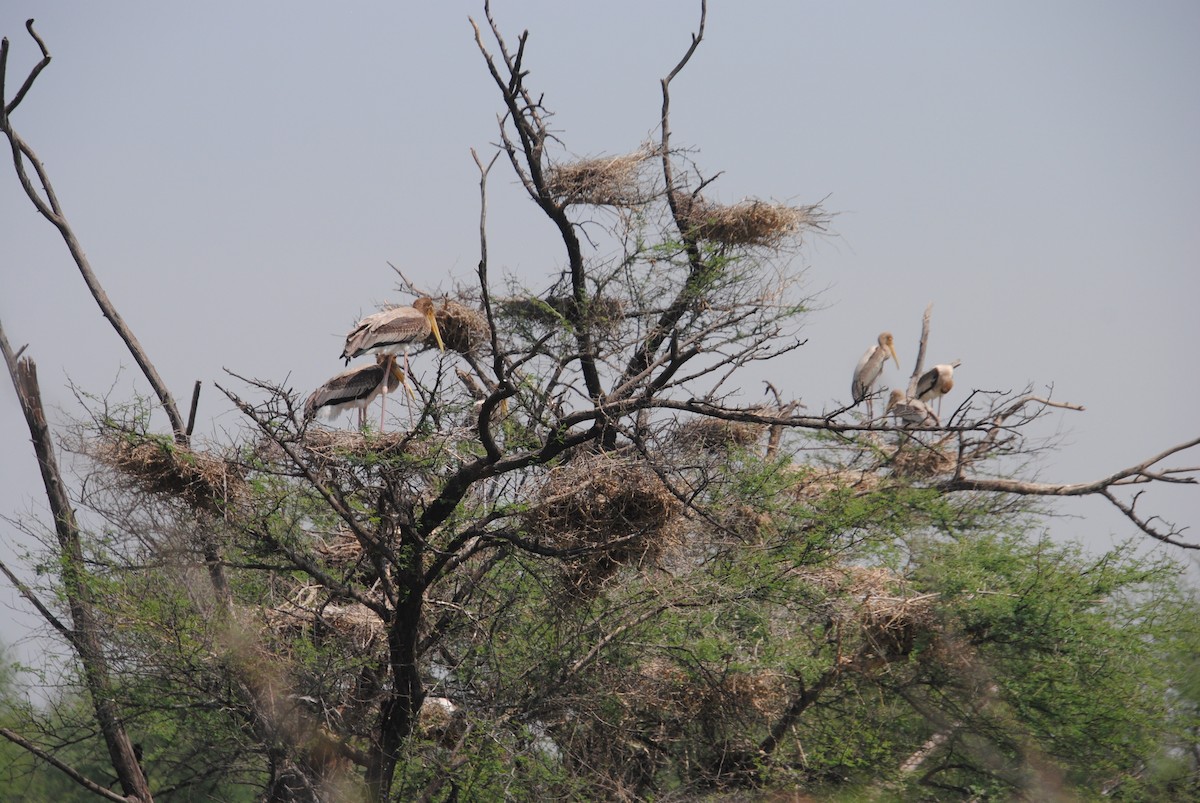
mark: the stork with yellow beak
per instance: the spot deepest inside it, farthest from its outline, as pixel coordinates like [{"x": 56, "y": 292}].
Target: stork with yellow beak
[{"x": 870, "y": 367}]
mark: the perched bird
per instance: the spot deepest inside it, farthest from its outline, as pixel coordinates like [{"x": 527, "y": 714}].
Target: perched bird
[
  {"x": 393, "y": 331},
  {"x": 936, "y": 383},
  {"x": 356, "y": 388},
  {"x": 912, "y": 412},
  {"x": 870, "y": 367}
]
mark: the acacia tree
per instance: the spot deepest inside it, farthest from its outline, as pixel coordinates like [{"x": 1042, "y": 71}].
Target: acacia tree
[{"x": 584, "y": 569}]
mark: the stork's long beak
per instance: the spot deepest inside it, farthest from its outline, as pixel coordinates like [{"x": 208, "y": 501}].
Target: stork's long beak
[
  {"x": 400, "y": 375},
  {"x": 429, "y": 316},
  {"x": 892, "y": 349}
]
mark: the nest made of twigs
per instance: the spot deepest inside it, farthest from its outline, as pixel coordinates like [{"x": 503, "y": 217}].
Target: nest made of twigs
[
  {"x": 603, "y": 513},
  {"x": 600, "y": 313},
  {"x": 812, "y": 483},
  {"x": 749, "y": 223},
  {"x": 881, "y": 602},
  {"x": 599, "y": 181},
  {"x": 918, "y": 460},
  {"x": 308, "y": 607},
  {"x": 161, "y": 466},
  {"x": 463, "y": 328},
  {"x": 335, "y": 444},
  {"x": 718, "y": 434}
]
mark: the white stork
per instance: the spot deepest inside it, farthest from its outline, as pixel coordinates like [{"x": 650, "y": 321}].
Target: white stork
[
  {"x": 392, "y": 332},
  {"x": 912, "y": 412},
  {"x": 936, "y": 383},
  {"x": 870, "y": 367},
  {"x": 356, "y": 388}
]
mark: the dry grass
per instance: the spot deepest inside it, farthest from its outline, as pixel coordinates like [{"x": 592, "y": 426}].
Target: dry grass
[
  {"x": 338, "y": 444},
  {"x": 604, "y": 513},
  {"x": 308, "y": 606},
  {"x": 812, "y": 483},
  {"x": 749, "y": 223},
  {"x": 601, "y": 181},
  {"x": 881, "y": 602},
  {"x": 160, "y": 466}
]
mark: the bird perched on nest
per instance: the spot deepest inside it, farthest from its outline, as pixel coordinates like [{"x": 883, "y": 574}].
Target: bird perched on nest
[
  {"x": 870, "y": 367},
  {"x": 912, "y": 412},
  {"x": 356, "y": 388},
  {"x": 936, "y": 383},
  {"x": 393, "y": 331}
]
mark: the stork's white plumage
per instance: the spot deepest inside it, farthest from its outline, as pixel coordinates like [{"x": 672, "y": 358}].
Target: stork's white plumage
[
  {"x": 356, "y": 388},
  {"x": 870, "y": 367},
  {"x": 912, "y": 412}
]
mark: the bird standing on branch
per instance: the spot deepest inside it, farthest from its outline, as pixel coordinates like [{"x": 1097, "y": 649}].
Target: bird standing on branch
[
  {"x": 356, "y": 388},
  {"x": 870, "y": 367},
  {"x": 936, "y": 383},
  {"x": 392, "y": 332}
]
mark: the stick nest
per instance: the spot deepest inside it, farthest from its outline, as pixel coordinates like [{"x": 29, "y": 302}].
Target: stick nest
[
  {"x": 719, "y": 435},
  {"x": 880, "y": 602},
  {"x": 339, "y": 444},
  {"x": 463, "y": 328},
  {"x": 603, "y": 513},
  {"x": 309, "y": 606},
  {"x": 749, "y": 223},
  {"x": 158, "y": 465},
  {"x": 601, "y": 313},
  {"x": 919, "y": 460},
  {"x": 601, "y": 181}
]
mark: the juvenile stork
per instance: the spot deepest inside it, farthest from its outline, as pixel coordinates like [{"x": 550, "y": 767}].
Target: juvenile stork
[
  {"x": 936, "y": 383},
  {"x": 870, "y": 367},
  {"x": 356, "y": 388},
  {"x": 911, "y": 412},
  {"x": 392, "y": 332}
]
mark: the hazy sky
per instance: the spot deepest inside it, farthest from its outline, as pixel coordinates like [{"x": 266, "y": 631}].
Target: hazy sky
[{"x": 240, "y": 173}]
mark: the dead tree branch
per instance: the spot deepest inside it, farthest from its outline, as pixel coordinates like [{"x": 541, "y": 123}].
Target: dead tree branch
[{"x": 49, "y": 208}]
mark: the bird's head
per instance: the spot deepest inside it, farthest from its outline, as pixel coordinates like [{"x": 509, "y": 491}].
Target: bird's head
[
  {"x": 888, "y": 343},
  {"x": 424, "y": 305},
  {"x": 896, "y": 397}
]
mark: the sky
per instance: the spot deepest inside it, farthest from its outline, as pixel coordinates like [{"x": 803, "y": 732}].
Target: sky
[{"x": 240, "y": 174}]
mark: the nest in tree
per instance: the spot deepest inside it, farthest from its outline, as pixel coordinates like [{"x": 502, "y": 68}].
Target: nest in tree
[
  {"x": 335, "y": 444},
  {"x": 812, "y": 483},
  {"x": 880, "y": 602},
  {"x": 463, "y": 328},
  {"x": 343, "y": 549},
  {"x": 717, "y": 434},
  {"x": 751, "y": 223},
  {"x": 600, "y": 313},
  {"x": 353, "y": 622},
  {"x": 602, "y": 181},
  {"x": 918, "y": 460},
  {"x": 159, "y": 465},
  {"x": 603, "y": 513}
]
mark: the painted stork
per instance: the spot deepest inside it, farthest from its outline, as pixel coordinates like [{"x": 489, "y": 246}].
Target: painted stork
[
  {"x": 911, "y": 412},
  {"x": 393, "y": 331},
  {"x": 870, "y": 367},
  {"x": 936, "y": 383},
  {"x": 357, "y": 388}
]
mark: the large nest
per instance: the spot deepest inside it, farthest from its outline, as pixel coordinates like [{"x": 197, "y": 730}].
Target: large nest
[
  {"x": 160, "y": 466},
  {"x": 339, "y": 444},
  {"x": 749, "y": 223},
  {"x": 309, "y": 607},
  {"x": 918, "y": 460},
  {"x": 812, "y": 483},
  {"x": 601, "y": 313},
  {"x": 603, "y": 513},
  {"x": 879, "y": 601},
  {"x": 602, "y": 181},
  {"x": 718, "y": 435},
  {"x": 463, "y": 328}
]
